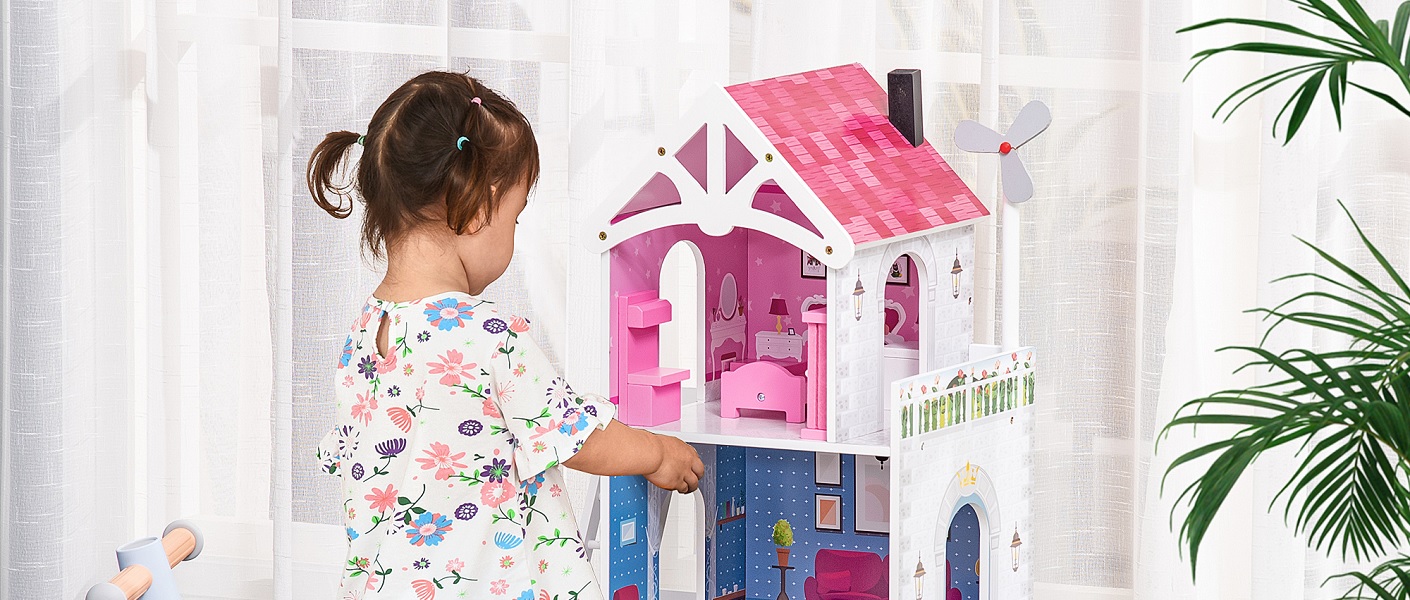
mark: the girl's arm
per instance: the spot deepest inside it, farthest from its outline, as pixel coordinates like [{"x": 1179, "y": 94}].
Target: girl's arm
[{"x": 621, "y": 450}]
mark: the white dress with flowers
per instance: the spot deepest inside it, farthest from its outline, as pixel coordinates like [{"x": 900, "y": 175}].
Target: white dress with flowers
[{"x": 449, "y": 448}]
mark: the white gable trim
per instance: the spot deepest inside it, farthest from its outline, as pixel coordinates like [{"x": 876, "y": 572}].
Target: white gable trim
[{"x": 717, "y": 212}]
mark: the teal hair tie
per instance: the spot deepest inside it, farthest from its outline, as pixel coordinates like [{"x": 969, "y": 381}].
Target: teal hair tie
[
  {"x": 459, "y": 144},
  {"x": 361, "y": 139}
]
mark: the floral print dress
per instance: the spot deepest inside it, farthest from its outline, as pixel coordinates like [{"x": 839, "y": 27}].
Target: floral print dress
[{"x": 448, "y": 448}]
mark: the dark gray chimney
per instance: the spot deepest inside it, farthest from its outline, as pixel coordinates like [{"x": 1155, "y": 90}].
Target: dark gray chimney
[{"x": 904, "y": 104}]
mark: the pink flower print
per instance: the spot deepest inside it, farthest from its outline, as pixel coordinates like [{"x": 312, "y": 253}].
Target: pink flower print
[
  {"x": 555, "y": 491},
  {"x": 408, "y": 370},
  {"x": 539, "y": 447},
  {"x": 518, "y": 324},
  {"x": 450, "y": 368},
  {"x": 490, "y": 409},
  {"x": 420, "y": 393},
  {"x": 519, "y": 370},
  {"x": 382, "y": 499},
  {"x": 425, "y": 590},
  {"x": 372, "y": 582},
  {"x": 498, "y": 588},
  {"x": 543, "y": 566},
  {"x": 506, "y": 561},
  {"x": 362, "y": 411},
  {"x": 454, "y": 565},
  {"x": 494, "y": 493},
  {"x": 441, "y": 460},
  {"x": 504, "y": 390},
  {"x": 386, "y": 365},
  {"x": 364, "y": 319},
  {"x": 348, "y": 381}
]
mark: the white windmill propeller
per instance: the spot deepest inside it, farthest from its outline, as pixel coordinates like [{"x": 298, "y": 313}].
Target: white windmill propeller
[{"x": 970, "y": 136}]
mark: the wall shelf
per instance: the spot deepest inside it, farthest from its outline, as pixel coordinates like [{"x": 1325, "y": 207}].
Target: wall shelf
[{"x": 721, "y": 522}]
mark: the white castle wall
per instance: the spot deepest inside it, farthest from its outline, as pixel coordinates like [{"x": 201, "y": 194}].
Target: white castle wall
[
  {"x": 931, "y": 466},
  {"x": 854, "y": 347}
]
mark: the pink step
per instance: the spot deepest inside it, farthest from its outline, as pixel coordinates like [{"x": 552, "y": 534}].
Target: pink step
[{"x": 660, "y": 376}]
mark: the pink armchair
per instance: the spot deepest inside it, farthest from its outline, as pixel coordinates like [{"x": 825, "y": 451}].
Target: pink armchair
[{"x": 847, "y": 575}]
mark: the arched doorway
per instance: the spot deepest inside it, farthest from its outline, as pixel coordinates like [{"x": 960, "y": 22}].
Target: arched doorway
[
  {"x": 682, "y": 283},
  {"x": 682, "y": 556},
  {"x": 905, "y": 311},
  {"x": 965, "y": 559}
]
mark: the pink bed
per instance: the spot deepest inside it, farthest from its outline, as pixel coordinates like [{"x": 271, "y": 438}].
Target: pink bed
[{"x": 764, "y": 385}]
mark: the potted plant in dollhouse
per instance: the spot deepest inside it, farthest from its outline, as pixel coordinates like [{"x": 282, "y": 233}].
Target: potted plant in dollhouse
[{"x": 783, "y": 538}]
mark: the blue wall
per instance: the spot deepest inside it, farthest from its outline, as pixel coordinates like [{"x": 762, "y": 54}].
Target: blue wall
[
  {"x": 779, "y": 485},
  {"x": 628, "y": 562},
  {"x": 962, "y": 552},
  {"x": 729, "y": 538}
]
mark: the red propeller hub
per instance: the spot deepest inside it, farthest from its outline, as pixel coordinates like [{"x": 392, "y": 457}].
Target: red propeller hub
[{"x": 1005, "y": 148}]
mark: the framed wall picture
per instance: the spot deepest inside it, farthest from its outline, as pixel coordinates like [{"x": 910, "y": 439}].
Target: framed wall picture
[
  {"x": 900, "y": 273},
  {"x": 873, "y": 495},
  {"x": 827, "y": 512},
  {"x": 813, "y": 268},
  {"x": 827, "y": 469}
]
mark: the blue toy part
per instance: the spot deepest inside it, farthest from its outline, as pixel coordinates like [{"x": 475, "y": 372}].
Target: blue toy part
[
  {"x": 146, "y": 565},
  {"x": 149, "y": 553}
]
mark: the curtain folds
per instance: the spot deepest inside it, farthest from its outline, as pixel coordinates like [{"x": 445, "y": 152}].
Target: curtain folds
[{"x": 171, "y": 298}]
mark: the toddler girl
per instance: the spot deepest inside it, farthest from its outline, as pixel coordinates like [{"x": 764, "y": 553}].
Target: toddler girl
[{"x": 452, "y": 425}]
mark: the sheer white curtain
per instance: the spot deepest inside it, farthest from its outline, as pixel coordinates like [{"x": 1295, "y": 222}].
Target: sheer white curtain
[{"x": 171, "y": 296}]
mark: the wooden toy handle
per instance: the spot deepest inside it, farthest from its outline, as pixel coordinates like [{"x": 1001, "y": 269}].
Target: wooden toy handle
[
  {"x": 133, "y": 581},
  {"x": 179, "y": 544}
]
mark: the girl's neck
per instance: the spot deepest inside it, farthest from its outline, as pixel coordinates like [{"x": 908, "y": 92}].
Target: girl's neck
[{"x": 422, "y": 264}]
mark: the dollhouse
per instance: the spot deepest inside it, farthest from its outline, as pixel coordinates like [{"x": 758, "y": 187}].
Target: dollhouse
[{"x": 836, "y": 386}]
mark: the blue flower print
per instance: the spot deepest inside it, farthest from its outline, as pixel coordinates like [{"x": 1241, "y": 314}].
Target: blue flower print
[
  {"x": 532, "y": 486},
  {"x": 352, "y": 534},
  {"x": 448, "y": 314},
  {"x": 526, "y": 595},
  {"x": 573, "y": 421},
  {"x": 429, "y": 529},
  {"x": 347, "y": 353}
]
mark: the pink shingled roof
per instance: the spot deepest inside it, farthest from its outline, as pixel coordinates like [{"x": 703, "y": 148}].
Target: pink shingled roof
[{"x": 831, "y": 126}]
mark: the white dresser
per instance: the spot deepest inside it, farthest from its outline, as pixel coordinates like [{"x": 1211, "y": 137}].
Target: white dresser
[{"x": 778, "y": 345}]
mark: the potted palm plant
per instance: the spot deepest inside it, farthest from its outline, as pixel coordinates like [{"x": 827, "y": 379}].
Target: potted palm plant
[
  {"x": 1346, "y": 410},
  {"x": 783, "y": 538}
]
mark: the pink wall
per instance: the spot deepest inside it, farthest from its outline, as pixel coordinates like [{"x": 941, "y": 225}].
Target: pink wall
[
  {"x": 909, "y": 298},
  {"x": 775, "y": 268},
  {"x": 636, "y": 266}
]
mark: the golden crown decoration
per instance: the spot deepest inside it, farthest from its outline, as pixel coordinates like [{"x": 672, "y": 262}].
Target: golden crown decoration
[{"x": 968, "y": 475}]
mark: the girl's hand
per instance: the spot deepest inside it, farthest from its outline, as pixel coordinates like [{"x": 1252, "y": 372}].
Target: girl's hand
[
  {"x": 680, "y": 468},
  {"x": 621, "y": 450}
]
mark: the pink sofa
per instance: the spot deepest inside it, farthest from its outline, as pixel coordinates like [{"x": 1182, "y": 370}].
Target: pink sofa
[{"x": 847, "y": 575}]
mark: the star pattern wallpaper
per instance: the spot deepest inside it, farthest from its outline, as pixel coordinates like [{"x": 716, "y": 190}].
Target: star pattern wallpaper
[{"x": 962, "y": 555}]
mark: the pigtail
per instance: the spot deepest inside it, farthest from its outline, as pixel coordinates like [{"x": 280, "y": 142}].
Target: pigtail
[
  {"x": 499, "y": 152},
  {"x": 324, "y": 165}
]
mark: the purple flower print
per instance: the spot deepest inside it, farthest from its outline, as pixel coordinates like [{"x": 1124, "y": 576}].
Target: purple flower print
[
  {"x": 367, "y": 366},
  {"x": 496, "y": 470},
  {"x": 496, "y": 326},
  {"x": 421, "y": 563},
  {"x": 357, "y": 471},
  {"x": 466, "y": 511},
  {"x": 471, "y": 428},
  {"x": 394, "y": 391},
  {"x": 347, "y": 353},
  {"x": 423, "y": 337},
  {"x": 590, "y": 409},
  {"x": 391, "y": 447},
  {"x": 347, "y": 440},
  {"x": 448, "y": 314}
]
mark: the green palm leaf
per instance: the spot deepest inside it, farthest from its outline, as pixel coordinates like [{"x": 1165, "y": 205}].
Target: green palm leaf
[
  {"x": 1346, "y": 413},
  {"x": 1363, "y": 40},
  {"x": 1389, "y": 581}
]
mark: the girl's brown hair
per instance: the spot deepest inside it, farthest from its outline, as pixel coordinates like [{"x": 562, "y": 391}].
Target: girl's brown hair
[{"x": 413, "y": 158}]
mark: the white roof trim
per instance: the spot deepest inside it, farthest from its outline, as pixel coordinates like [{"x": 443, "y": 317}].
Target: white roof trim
[{"x": 717, "y": 212}]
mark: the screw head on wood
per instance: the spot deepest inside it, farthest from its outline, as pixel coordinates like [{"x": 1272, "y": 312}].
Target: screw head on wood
[
  {"x": 602, "y": 235},
  {"x": 661, "y": 151}
]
